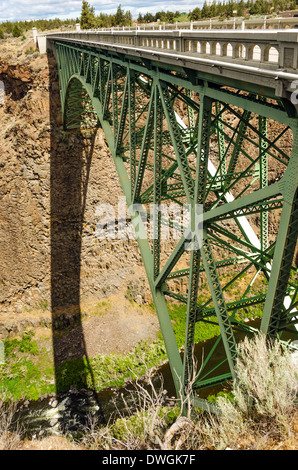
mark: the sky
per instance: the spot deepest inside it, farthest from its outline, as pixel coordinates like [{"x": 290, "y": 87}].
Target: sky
[{"x": 16, "y": 10}]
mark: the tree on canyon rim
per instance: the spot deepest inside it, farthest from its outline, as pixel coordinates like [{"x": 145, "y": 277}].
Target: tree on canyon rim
[{"x": 88, "y": 20}]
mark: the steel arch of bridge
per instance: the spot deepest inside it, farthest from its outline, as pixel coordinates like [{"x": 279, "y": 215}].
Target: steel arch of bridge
[{"x": 216, "y": 153}]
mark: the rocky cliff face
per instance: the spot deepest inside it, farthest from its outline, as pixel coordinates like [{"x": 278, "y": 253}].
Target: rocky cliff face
[{"x": 51, "y": 184}]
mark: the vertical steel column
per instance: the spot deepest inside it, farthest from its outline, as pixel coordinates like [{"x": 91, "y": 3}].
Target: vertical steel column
[
  {"x": 132, "y": 127},
  {"x": 190, "y": 113},
  {"x": 242, "y": 126},
  {"x": 263, "y": 179},
  {"x": 158, "y": 117},
  {"x": 282, "y": 262},
  {"x": 199, "y": 199},
  {"x": 220, "y": 139},
  {"x": 147, "y": 136},
  {"x": 122, "y": 117},
  {"x": 219, "y": 305},
  {"x": 114, "y": 84},
  {"x": 175, "y": 134},
  {"x": 284, "y": 248}
]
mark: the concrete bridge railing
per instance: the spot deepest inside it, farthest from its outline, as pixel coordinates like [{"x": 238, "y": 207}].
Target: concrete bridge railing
[{"x": 271, "y": 49}]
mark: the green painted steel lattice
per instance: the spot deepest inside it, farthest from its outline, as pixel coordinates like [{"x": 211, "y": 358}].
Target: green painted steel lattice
[{"x": 180, "y": 137}]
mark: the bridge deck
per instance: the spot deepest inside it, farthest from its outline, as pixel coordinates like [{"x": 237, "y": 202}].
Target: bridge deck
[{"x": 266, "y": 58}]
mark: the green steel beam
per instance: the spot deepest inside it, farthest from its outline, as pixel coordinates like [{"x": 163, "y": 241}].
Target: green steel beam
[
  {"x": 137, "y": 103},
  {"x": 158, "y": 125},
  {"x": 194, "y": 269}
]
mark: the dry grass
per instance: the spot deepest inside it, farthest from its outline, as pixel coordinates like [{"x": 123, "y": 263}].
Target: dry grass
[
  {"x": 51, "y": 443},
  {"x": 9, "y": 439},
  {"x": 141, "y": 429}
]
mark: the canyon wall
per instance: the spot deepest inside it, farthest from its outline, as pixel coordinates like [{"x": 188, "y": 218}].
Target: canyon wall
[{"x": 51, "y": 184}]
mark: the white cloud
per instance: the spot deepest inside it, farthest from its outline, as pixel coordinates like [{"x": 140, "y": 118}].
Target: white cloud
[{"x": 45, "y": 9}]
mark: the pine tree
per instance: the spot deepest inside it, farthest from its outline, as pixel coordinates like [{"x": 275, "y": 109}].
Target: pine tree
[
  {"x": 195, "y": 14},
  {"x": 17, "y": 31},
  {"x": 205, "y": 12},
  {"x": 87, "y": 16},
  {"x": 128, "y": 18},
  {"x": 119, "y": 17},
  {"x": 240, "y": 8}
]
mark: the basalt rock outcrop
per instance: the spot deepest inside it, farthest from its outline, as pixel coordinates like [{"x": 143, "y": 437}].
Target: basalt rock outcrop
[{"x": 51, "y": 183}]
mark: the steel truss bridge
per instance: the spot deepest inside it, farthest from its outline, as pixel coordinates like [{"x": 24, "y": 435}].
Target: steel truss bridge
[{"x": 189, "y": 123}]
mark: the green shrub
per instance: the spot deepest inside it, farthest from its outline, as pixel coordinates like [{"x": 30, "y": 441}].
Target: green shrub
[
  {"x": 264, "y": 394},
  {"x": 267, "y": 376},
  {"x": 17, "y": 31}
]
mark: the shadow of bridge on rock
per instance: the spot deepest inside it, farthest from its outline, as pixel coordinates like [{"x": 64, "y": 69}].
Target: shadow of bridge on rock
[{"x": 70, "y": 164}]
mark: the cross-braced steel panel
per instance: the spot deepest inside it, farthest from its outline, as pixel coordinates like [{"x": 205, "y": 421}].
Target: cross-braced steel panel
[{"x": 181, "y": 139}]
